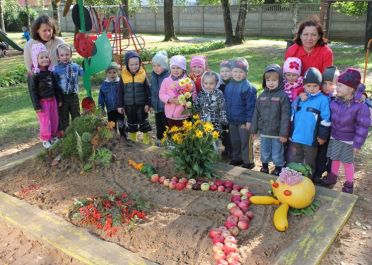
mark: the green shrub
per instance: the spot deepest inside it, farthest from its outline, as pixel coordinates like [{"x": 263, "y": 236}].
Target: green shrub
[
  {"x": 147, "y": 55},
  {"x": 16, "y": 18},
  {"x": 13, "y": 76}
]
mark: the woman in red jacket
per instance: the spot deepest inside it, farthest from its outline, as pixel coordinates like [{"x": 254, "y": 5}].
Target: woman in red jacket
[{"x": 311, "y": 47}]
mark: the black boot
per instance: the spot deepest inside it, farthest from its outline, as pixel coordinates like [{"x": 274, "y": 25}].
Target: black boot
[
  {"x": 265, "y": 168},
  {"x": 329, "y": 180},
  {"x": 348, "y": 187},
  {"x": 276, "y": 171}
]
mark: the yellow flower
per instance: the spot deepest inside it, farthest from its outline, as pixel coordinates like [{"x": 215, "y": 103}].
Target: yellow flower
[
  {"x": 187, "y": 125},
  {"x": 187, "y": 80},
  {"x": 208, "y": 127},
  {"x": 215, "y": 135},
  {"x": 174, "y": 129},
  {"x": 182, "y": 82},
  {"x": 199, "y": 133},
  {"x": 196, "y": 117},
  {"x": 188, "y": 104},
  {"x": 187, "y": 95}
]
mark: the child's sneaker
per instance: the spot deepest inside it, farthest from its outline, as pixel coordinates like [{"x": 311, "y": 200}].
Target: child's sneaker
[
  {"x": 54, "y": 140},
  {"x": 46, "y": 144}
]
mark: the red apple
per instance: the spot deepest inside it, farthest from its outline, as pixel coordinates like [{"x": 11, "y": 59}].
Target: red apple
[
  {"x": 154, "y": 178},
  {"x": 230, "y": 239},
  {"x": 219, "y": 255},
  {"x": 214, "y": 232},
  {"x": 222, "y": 262},
  {"x": 221, "y": 188},
  {"x": 228, "y": 190},
  {"x": 225, "y": 233},
  {"x": 234, "y": 231},
  {"x": 235, "y": 263},
  {"x": 229, "y": 224},
  {"x": 236, "y": 211},
  {"x": 217, "y": 247},
  {"x": 174, "y": 179},
  {"x": 231, "y": 205},
  {"x": 228, "y": 184},
  {"x": 189, "y": 186},
  {"x": 249, "y": 194},
  {"x": 166, "y": 182},
  {"x": 161, "y": 179},
  {"x": 183, "y": 180},
  {"x": 243, "y": 205},
  {"x": 213, "y": 187},
  {"x": 233, "y": 209},
  {"x": 180, "y": 186},
  {"x": 172, "y": 185},
  {"x": 250, "y": 214},
  {"x": 235, "y": 198},
  {"x": 233, "y": 219},
  {"x": 218, "y": 182},
  {"x": 229, "y": 247},
  {"x": 233, "y": 257},
  {"x": 236, "y": 187},
  {"x": 244, "y": 218},
  {"x": 218, "y": 238},
  {"x": 243, "y": 225},
  {"x": 235, "y": 192},
  {"x": 222, "y": 228}
]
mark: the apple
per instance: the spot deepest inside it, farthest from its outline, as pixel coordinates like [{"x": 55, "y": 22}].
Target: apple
[
  {"x": 192, "y": 181},
  {"x": 183, "y": 180},
  {"x": 172, "y": 185},
  {"x": 228, "y": 190},
  {"x": 221, "y": 188},
  {"x": 204, "y": 186},
  {"x": 229, "y": 224},
  {"x": 222, "y": 228},
  {"x": 228, "y": 184},
  {"x": 244, "y": 191},
  {"x": 235, "y": 192},
  {"x": 213, "y": 187},
  {"x": 231, "y": 205},
  {"x": 232, "y": 258},
  {"x": 244, "y": 218},
  {"x": 249, "y": 194},
  {"x": 180, "y": 186},
  {"x": 249, "y": 214},
  {"x": 235, "y": 198},
  {"x": 234, "y": 231},
  {"x": 214, "y": 232},
  {"x": 189, "y": 186},
  {"x": 174, "y": 179},
  {"x": 154, "y": 178},
  {"x": 218, "y": 182},
  {"x": 218, "y": 238},
  {"x": 196, "y": 186},
  {"x": 222, "y": 262},
  {"x": 219, "y": 255},
  {"x": 161, "y": 179},
  {"x": 244, "y": 197},
  {"x": 236, "y": 211},
  {"x": 233, "y": 219},
  {"x": 243, "y": 225},
  {"x": 217, "y": 247},
  {"x": 230, "y": 239},
  {"x": 166, "y": 182},
  {"x": 236, "y": 187},
  {"x": 225, "y": 233},
  {"x": 229, "y": 247},
  {"x": 235, "y": 263},
  {"x": 233, "y": 209},
  {"x": 243, "y": 205}
]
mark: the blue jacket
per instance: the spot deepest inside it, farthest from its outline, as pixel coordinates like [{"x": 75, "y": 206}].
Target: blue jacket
[
  {"x": 240, "y": 99},
  {"x": 108, "y": 94},
  {"x": 156, "y": 81},
  {"x": 310, "y": 119},
  {"x": 67, "y": 77}
]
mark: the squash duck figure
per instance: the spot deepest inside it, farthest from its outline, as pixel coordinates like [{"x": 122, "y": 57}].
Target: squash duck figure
[{"x": 291, "y": 189}]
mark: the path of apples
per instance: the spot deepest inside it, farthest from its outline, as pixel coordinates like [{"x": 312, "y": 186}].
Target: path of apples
[{"x": 224, "y": 240}]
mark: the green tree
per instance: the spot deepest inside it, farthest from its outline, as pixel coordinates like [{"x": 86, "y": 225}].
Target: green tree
[{"x": 2, "y": 24}]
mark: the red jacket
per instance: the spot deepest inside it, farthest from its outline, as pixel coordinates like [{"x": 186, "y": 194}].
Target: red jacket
[{"x": 320, "y": 57}]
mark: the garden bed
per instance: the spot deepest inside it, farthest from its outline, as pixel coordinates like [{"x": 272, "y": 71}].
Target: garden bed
[{"x": 176, "y": 230}]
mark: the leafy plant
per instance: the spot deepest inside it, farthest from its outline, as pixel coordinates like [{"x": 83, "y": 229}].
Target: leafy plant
[
  {"x": 192, "y": 147},
  {"x": 102, "y": 157}
]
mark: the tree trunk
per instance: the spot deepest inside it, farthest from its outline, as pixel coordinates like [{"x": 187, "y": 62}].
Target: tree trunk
[
  {"x": 368, "y": 26},
  {"x": 2, "y": 24},
  {"x": 56, "y": 17},
  {"x": 28, "y": 15},
  {"x": 240, "y": 24},
  {"x": 325, "y": 9},
  {"x": 227, "y": 22},
  {"x": 126, "y": 7},
  {"x": 169, "y": 33}
]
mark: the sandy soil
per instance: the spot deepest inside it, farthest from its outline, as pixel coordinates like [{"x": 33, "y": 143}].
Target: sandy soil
[{"x": 176, "y": 232}]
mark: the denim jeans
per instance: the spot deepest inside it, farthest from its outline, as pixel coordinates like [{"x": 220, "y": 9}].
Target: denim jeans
[{"x": 272, "y": 150}]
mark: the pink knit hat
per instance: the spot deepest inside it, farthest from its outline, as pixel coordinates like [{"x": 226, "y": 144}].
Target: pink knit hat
[
  {"x": 178, "y": 60},
  {"x": 36, "y": 49},
  {"x": 351, "y": 77},
  {"x": 292, "y": 65},
  {"x": 199, "y": 60}
]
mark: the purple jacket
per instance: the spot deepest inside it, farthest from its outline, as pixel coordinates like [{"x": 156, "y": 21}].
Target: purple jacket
[{"x": 350, "y": 121}]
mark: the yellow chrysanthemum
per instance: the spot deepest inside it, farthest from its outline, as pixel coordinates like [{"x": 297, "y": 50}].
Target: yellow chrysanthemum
[
  {"x": 199, "y": 133},
  {"x": 215, "y": 135},
  {"x": 182, "y": 82},
  {"x": 208, "y": 127},
  {"x": 174, "y": 129},
  {"x": 188, "y": 104},
  {"x": 196, "y": 117},
  {"x": 187, "y": 95}
]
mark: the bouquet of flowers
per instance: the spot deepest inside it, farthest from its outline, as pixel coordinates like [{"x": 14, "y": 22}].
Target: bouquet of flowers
[{"x": 184, "y": 92}]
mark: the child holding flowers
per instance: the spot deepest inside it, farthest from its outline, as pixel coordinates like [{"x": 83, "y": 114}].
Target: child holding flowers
[
  {"x": 177, "y": 92},
  {"x": 198, "y": 66}
]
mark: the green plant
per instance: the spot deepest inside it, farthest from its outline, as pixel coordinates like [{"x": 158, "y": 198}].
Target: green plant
[
  {"x": 193, "y": 147},
  {"x": 16, "y": 76},
  {"x": 101, "y": 157},
  {"x": 105, "y": 133},
  {"x": 16, "y": 18}
]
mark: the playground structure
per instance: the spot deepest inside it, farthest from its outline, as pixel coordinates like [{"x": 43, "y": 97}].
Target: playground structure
[{"x": 5, "y": 42}]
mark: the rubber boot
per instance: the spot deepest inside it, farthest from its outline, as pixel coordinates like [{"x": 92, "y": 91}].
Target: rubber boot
[
  {"x": 146, "y": 138},
  {"x": 276, "y": 171},
  {"x": 348, "y": 187},
  {"x": 329, "y": 180},
  {"x": 265, "y": 168},
  {"x": 133, "y": 136}
]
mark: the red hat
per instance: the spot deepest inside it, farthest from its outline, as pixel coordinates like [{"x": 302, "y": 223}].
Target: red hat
[{"x": 351, "y": 77}]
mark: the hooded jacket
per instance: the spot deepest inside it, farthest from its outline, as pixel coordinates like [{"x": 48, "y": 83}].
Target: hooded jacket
[
  {"x": 67, "y": 77},
  {"x": 272, "y": 111},
  {"x": 108, "y": 94},
  {"x": 350, "y": 120},
  {"x": 134, "y": 88},
  {"x": 156, "y": 81}
]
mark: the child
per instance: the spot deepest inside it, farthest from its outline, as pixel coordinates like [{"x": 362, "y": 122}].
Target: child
[
  {"x": 108, "y": 97},
  {"x": 210, "y": 102},
  {"x": 310, "y": 121},
  {"x": 350, "y": 122},
  {"x": 159, "y": 72},
  {"x": 26, "y": 34},
  {"x": 198, "y": 66},
  {"x": 67, "y": 73},
  {"x": 240, "y": 98},
  {"x": 43, "y": 95},
  {"x": 225, "y": 73},
  {"x": 134, "y": 97},
  {"x": 168, "y": 92},
  {"x": 271, "y": 119},
  {"x": 293, "y": 82}
]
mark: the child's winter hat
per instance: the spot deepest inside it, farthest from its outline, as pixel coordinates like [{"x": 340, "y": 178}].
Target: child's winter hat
[
  {"x": 312, "y": 75},
  {"x": 331, "y": 74},
  {"x": 113, "y": 66},
  {"x": 273, "y": 68},
  {"x": 36, "y": 49},
  {"x": 161, "y": 58},
  {"x": 241, "y": 63},
  {"x": 178, "y": 60},
  {"x": 198, "y": 60},
  {"x": 129, "y": 55},
  {"x": 225, "y": 64},
  {"x": 351, "y": 77},
  {"x": 292, "y": 65}
]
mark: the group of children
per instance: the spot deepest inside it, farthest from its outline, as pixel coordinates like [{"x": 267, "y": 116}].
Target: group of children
[{"x": 298, "y": 119}]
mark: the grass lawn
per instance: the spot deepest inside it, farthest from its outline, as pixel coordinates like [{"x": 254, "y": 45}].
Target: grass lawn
[{"x": 18, "y": 120}]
